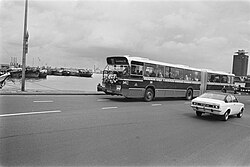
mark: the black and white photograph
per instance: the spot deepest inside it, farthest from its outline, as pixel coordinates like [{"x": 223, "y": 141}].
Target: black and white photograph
[{"x": 124, "y": 83}]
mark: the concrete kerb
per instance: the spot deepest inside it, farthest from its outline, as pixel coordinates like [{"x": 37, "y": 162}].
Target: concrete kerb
[{"x": 48, "y": 92}]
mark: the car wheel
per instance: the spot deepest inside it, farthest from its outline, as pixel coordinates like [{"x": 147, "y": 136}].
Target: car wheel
[
  {"x": 189, "y": 94},
  {"x": 225, "y": 116},
  {"x": 149, "y": 95},
  {"x": 198, "y": 113},
  {"x": 240, "y": 114}
]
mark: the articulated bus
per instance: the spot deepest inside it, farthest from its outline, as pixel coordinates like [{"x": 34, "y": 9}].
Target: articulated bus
[{"x": 137, "y": 77}]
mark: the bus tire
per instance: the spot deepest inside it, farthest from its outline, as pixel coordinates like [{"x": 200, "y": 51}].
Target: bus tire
[
  {"x": 189, "y": 94},
  {"x": 149, "y": 95}
]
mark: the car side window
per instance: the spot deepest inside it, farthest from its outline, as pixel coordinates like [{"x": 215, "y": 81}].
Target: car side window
[
  {"x": 234, "y": 99},
  {"x": 228, "y": 99}
]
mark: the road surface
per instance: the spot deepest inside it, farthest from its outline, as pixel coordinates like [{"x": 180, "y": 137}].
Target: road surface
[{"x": 102, "y": 130}]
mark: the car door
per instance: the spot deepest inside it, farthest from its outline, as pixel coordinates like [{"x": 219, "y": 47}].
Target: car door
[{"x": 236, "y": 105}]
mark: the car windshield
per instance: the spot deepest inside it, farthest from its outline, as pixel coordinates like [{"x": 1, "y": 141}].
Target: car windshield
[{"x": 213, "y": 96}]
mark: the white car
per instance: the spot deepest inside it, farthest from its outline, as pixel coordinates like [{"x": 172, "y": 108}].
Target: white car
[{"x": 222, "y": 104}]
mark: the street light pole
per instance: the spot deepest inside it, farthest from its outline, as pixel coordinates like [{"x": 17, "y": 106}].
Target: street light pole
[{"x": 25, "y": 46}]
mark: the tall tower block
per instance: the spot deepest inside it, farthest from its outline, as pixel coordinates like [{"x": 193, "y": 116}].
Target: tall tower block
[{"x": 240, "y": 63}]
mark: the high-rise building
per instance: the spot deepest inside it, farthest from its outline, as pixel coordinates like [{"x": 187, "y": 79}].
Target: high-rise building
[{"x": 240, "y": 63}]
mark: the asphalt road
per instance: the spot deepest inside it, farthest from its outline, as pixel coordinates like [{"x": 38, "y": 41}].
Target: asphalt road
[{"x": 113, "y": 131}]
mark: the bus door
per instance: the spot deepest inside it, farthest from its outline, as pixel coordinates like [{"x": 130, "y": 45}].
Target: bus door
[{"x": 203, "y": 85}]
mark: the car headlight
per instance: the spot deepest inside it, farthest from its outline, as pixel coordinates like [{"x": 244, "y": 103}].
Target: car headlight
[
  {"x": 194, "y": 103},
  {"x": 217, "y": 106}
]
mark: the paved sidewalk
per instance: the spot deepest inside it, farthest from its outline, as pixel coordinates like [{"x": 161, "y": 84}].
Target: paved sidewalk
[
  {"x": 47, "y": 92},
  {"x": 54, "y": 85}
]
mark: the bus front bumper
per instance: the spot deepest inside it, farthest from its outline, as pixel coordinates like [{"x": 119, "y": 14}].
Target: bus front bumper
[{"x": 110, "y": 89}]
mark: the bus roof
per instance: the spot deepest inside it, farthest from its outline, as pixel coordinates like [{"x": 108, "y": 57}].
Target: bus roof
[
  {"x": 146, "y": 60},
  {"x": 218, "y": 72}
]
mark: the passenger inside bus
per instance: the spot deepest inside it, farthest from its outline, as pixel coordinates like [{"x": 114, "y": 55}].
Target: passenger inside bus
[
  {"x": 153, "y": 74},
  {"x": 188, "y": 78},
  {"x": 160, "y": 74},
  {"x": 136, "y": 70},
  {"x": 133, "y": 69}
]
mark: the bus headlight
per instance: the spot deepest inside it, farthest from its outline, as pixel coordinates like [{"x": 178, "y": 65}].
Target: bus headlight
[{"x": 118, "y": 87}]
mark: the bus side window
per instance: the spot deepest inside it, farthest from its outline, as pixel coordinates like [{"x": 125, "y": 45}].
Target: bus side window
[
  {"x": 172, "y": 72},
  {"x": 178, "y": 73},
  {"x": 150, "y": 70},
  {"x": 167, "y": 72},
  {"x": 217, "y": 79},
  {"x": 139, "y": 70},
  {"x": 188, "y": 75},
  {"x": 224, "y": 79},
  {"x": 160, "y": 71},
  {"x": 133, "y": 67},
  {"x": 208, "y": 77},
  {"x": 230, "y": 80},
  {"x": 153, "y": 74},
  {"x": 136, "y": 68},
  {"x": 146, "y": 73},
  {"x": 197, "y": 76},
  {"x": 212, "y": 78}
]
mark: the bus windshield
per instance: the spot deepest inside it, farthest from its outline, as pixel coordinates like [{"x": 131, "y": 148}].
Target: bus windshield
[
  {"x": 117, "y": 68},
  {"x": 113, "y": 72}
]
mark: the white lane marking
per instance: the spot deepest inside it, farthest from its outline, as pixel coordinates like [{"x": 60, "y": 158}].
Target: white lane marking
[
  {"x": 102, "y": 99},
  {"x": 106, "y": 108},
  {"x": 48, "y": 101},
  {"x": 30, "y": 113},
  {"x": 156, "y": 104}
]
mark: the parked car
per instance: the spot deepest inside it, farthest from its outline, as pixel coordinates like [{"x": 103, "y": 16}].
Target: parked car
[{"x": 222, "y": 104}]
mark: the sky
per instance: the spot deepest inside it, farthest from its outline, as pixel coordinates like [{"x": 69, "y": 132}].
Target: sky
[{"x": 82, "y": 33}]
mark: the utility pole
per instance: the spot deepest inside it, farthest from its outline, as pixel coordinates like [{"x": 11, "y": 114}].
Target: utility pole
[{"x": 25, "y": 46}]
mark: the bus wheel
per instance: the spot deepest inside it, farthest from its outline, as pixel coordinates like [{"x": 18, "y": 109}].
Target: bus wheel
[
  {"x": 189, "y": 94},
  {"x": 149, "y": 95}
]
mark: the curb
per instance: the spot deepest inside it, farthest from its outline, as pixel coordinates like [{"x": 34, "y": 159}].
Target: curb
[{"x": 51, "y": 93}]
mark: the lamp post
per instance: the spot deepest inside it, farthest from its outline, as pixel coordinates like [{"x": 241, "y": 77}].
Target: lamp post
[{"x": 25, "y": 46}]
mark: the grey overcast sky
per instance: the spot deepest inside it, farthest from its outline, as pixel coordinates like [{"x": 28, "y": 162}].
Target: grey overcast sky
[{"x": 81, "y": 33}]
